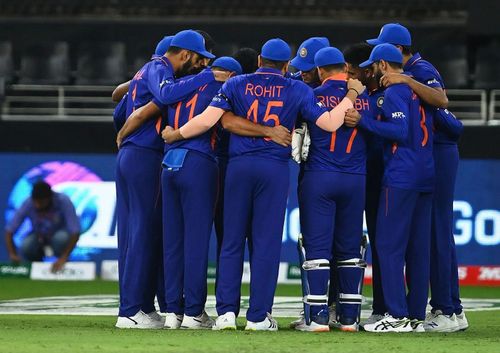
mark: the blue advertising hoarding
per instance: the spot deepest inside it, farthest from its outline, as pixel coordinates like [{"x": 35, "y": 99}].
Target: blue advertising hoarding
[{"x": 88, "y": 179}]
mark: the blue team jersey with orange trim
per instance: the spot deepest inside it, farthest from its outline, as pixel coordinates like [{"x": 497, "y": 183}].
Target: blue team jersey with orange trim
[
  {"x": 183, "y": 111},
  {"x": 155, "y": 82},
  {"x": 408, "y": 140},
  {"x": 447, "y": 128},
  {"x": 139, "y": 94},
  {"x": 345, "y": 149},
  {"x": 375, "y": 144},
  {"x": 268, "y": 98}
]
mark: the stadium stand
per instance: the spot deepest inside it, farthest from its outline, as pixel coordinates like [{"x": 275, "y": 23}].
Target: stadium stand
[
  {"x": 109, "y": 40},
  {"x": 6, "y": 62},
  {"x": 46, "y": 63},
  {"x": 101, "y": 63}
]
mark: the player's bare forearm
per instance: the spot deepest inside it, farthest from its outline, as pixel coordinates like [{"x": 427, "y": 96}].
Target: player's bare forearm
[
  {"x": 137, "y": 119},
  {"x": 432, "y": 96},
  {"x": 11, "y": 249},
  {"x": 59, "y": 263},
  {"x": 243, "y": 127},
  {"x": 120, "y": 91},
  {"x": 71, "y": 245},
  {"x": 169, "y": 135}
]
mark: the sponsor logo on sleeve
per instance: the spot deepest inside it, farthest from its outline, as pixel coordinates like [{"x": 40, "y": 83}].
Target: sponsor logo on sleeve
[{"x": 398, "y": 115}]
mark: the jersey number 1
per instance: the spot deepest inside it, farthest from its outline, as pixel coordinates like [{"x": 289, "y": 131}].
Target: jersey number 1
[{"x": 190, "y": 104}]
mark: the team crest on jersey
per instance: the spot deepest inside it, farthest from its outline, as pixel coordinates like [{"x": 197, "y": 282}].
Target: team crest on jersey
[
  {"x": 303, "y": 52},
  {"x": 380, "y": 101}
]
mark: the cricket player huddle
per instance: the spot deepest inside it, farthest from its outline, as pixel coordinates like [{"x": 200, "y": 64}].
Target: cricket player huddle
[{"x": 203, "y": 145}]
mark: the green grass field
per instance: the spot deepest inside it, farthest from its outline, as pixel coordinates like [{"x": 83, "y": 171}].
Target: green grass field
[{"x": 84, "y": 334}]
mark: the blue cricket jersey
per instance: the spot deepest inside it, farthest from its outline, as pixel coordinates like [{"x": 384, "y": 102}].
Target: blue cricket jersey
[
  {"x": 375, "y": 143},
  {"x": 183, "y": 111},
  {"x": 155, "y": 82},
  {"x": 407, "y": 131},
  {"x": 447, "y": 128},
  {"x": 345, "y": 149},
  {"x": 266, "y": 97},
  {"x": 120, "y": 113}
]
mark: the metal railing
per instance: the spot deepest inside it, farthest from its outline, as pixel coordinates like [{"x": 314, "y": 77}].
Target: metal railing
[
  {"x": 93, "y": 103},
  {"x": 47, "y": 102},
  {"x": 494, "y": 111},
  {"x": 469, "y": 105}
]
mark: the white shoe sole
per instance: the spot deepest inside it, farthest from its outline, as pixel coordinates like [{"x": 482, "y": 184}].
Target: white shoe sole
[{"x": 225, "y": 328}]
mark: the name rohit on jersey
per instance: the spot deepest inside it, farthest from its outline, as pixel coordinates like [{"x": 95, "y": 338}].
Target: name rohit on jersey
[
  {"x": 333, "y": 101},
  {"x": 263, "y": 91}
]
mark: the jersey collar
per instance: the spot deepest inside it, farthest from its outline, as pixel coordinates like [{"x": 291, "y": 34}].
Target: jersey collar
[
  {"x": 414, "y": 59},
  {"x": 163, "y": 59},
  {"x": 342, "y": 77},
  {"x": 268, "y": 70}
]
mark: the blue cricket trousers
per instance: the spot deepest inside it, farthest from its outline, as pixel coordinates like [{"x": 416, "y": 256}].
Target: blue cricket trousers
[
  {"x": 189, "y": 196},
  {"x": 139, "y": 229},
  {"x": 374, "y": 175},
  {"x": 331, "y": 215},
  {"x": 445, "y": 294},
  {"x": 255, "y": 199},
  {"x": 403, "y": 237}
]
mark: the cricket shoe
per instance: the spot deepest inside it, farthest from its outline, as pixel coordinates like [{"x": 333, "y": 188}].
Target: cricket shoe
[
  {"x": 173, "y": 321},
  {"x": 438, "y": 322},
  {"x": 300, "y": 321},
  {"x": 373, "y": 318},
  {"x": 200, "y": 322},
  {"x": 332, "y": 316},
  {"x": 463, "y": 323},
  {"x": 154, "y": 315},
  {"x": 347, "y": 325},
  {"x": 268, "y": 324},
  {"x": 389, "y": 324},
  {"x": 417, "y": 325},
  {"x": 226, "y": 321},
  {"x": 319, "y": 323},
  {"x": 138, "y": 321}
]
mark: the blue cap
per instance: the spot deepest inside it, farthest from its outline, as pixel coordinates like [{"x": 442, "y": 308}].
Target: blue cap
[
  {"x": 191, "y": 40},
  {"x": 304, "y": 60},
  {"x": 163, "y": 45},
  {"x": 387, "y": 52},
  {"x": 228, "y": 63},
  {"x": 328, "y": 56},
  {"x": 276, "y": 49},
  {"x": 392, "y": 33}
]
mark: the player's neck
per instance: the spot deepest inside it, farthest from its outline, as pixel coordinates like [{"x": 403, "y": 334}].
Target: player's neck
[
  {"x": 174, "y": 61},
  {"x": 406, "y": 58}
]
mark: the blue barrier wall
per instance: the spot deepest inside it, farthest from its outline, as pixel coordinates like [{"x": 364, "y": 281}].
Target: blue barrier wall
[{"x": 89, "y": 180}]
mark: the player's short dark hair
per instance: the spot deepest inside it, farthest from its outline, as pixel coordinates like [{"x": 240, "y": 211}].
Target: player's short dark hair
[
  {"x": 406, "y": 50},
  {"x": 247, "y": 57},
  {"x": 355, "y": 54},
  {"x": 273, "y": 64},
  {"x": 174, "y": 50},
  {"x": 41, "y": 190},
  {"x": 209, "y": 41},
  {"x": 395, "y": 65},
  {"x": 333, "y": 67}
]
